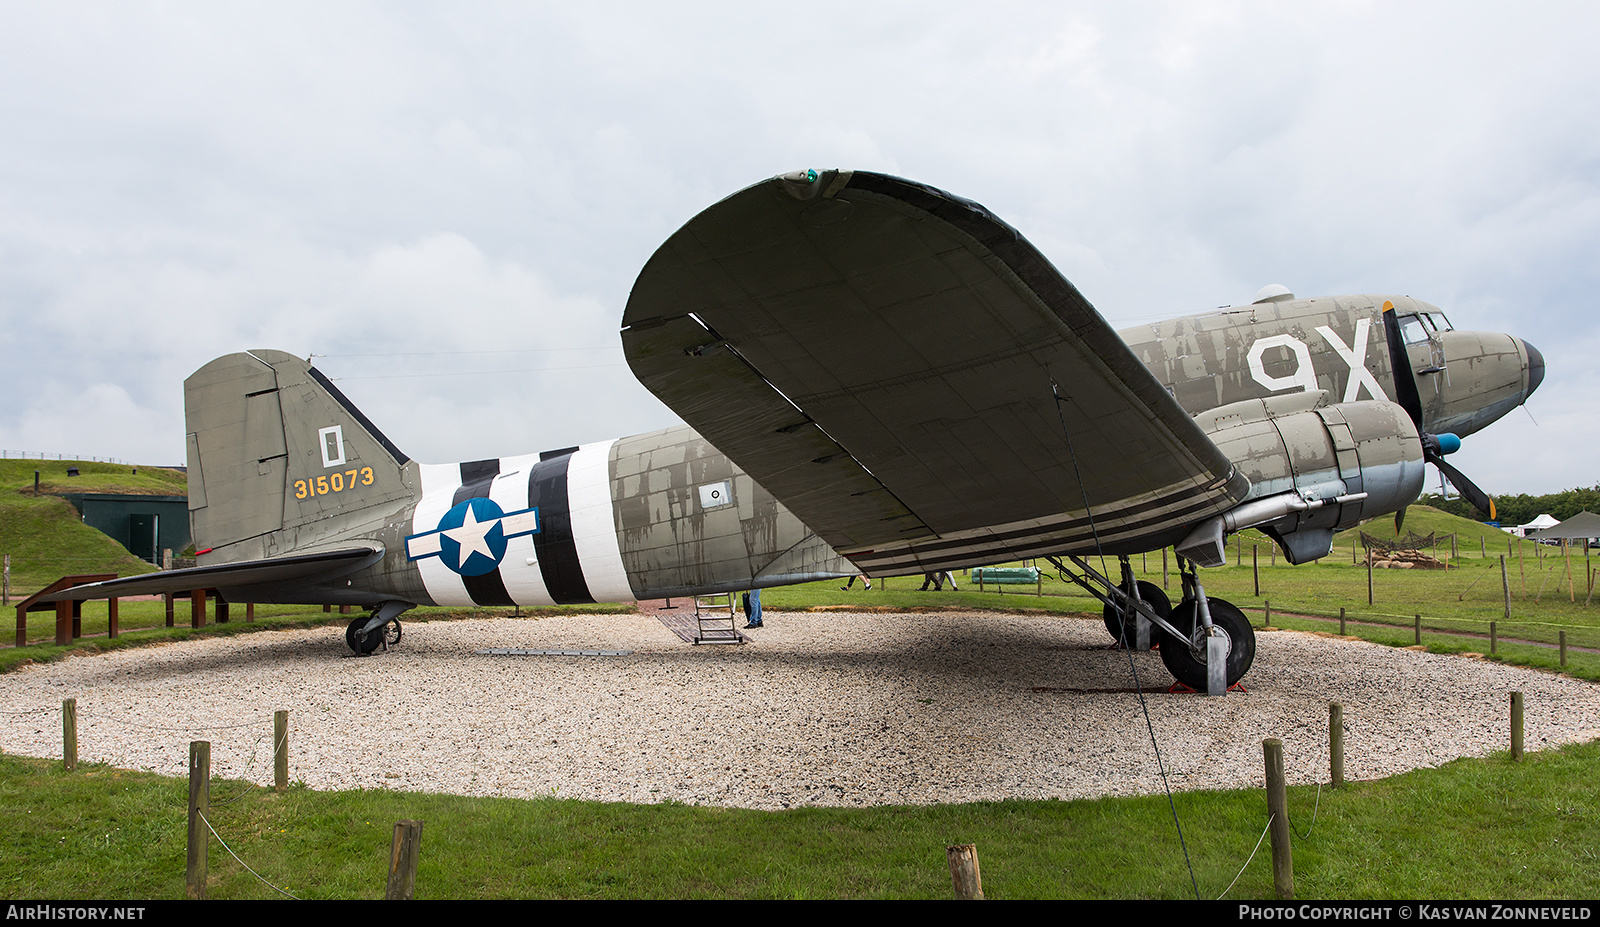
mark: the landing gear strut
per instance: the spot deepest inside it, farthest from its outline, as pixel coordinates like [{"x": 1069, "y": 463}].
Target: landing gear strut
[
  {"x": 381, "y": 628},
  {"x": 1206, "y": 643}
]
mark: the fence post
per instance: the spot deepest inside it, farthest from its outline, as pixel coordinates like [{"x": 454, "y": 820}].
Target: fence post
[
  {"x": 1336, "y": 744},
  {"x": 69, "y": 734},
  {"x": 1419, "y": 629},
  {"x": 280, "y": 749},
  {"x": 964, "y": 871},
  {"x": 1255, "y": 567},
  {"x": 1505, "y": 585},
  {"x": 1369, "y": 576},
  {"x": 1341, "y": 621},
  {"x": 1278, "y": 809},
  {"x": 199, "y": 808},
  {"x": 1516, "y": 725},
  {"x": 1492, "y": 640},
  {"x": 403, "y": 854},
  {"x": 1563, "y": 638}
]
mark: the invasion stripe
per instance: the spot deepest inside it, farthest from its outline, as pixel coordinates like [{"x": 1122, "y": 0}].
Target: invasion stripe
[
  {"x": 554, "y": 544},
  {"x": 1038, "y": 539}
]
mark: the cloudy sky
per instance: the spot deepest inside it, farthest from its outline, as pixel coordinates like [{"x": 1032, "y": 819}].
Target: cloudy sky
[{"x": 448, "y": 203}]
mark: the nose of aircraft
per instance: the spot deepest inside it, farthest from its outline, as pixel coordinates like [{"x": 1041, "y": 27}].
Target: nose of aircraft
[{"x": 1535, "y": 369}]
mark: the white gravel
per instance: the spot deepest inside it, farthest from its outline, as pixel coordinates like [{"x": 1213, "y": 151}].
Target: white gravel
[{"x": 819, "y": 709}]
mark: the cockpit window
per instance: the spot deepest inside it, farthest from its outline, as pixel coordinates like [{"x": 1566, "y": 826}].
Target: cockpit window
[
  {"x": 1413, "y": 329},
  {"x": 1440, "y": 323}
]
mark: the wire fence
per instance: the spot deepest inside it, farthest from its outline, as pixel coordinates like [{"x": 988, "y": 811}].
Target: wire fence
[{"x": 42, "y": 455}]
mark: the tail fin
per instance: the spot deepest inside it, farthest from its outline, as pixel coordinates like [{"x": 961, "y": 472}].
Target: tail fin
[{"x": 280, "y": 460}]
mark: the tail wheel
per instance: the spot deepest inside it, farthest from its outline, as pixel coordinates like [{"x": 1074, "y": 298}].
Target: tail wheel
[
  {"x": 1151, "y": 595},
  {"x": 1190, "y": 669},
  {"x": 366, "y": 643}
]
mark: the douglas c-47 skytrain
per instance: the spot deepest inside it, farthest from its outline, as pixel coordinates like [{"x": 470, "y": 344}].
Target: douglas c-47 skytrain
[{"x": 877, "y": 377}]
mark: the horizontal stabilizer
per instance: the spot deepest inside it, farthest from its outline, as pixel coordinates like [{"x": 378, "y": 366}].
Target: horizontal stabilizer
[{"x": 301, "y": 569}]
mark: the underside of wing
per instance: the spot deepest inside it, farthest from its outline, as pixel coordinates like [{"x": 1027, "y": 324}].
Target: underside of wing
[
  {"x": 271, "y": 578},
  {"x": 903, "y": 371}
]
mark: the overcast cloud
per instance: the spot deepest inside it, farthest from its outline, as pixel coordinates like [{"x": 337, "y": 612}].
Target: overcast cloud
[{"x": 394, "y": 186}]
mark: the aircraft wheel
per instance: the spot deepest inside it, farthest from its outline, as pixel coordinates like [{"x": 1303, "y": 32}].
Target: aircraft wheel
[
  {"x": 392, "y": 633},
  {"x": 352, "y": 633},
  {"x": 1191, "y": 670},
  {"x": 1152, "y": 595}
]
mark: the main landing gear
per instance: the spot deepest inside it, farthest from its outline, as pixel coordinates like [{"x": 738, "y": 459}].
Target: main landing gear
[
  {"x": 1206, "y": 643},
  {"x": 381, "y": 628}
]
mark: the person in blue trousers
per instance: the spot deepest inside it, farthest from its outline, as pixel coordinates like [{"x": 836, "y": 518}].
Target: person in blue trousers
[{"x": 752, "y": 608}]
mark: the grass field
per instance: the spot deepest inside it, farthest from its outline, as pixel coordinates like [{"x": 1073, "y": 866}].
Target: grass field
[{"x": 1481, "y": 828}]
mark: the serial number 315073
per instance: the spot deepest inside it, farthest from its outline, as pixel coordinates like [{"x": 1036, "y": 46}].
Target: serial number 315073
[{"x": 336, "y": 482}]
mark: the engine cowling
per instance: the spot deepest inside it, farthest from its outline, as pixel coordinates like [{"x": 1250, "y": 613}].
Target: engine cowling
[{"x": 1315, "y": 467}]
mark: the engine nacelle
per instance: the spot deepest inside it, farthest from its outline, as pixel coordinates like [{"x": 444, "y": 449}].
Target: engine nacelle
[{"x": 1314, "y": 467}]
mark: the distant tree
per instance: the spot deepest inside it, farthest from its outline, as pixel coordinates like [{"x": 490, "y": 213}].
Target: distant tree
[{"x": 1521, "y": 508}]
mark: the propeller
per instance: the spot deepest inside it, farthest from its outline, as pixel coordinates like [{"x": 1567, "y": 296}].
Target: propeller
[{"x": 1434, "y": 447}]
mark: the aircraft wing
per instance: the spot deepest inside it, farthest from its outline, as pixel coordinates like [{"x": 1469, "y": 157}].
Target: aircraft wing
[
  {"x": 273, "y": 573},
  {"x": 887, "y": 358}
]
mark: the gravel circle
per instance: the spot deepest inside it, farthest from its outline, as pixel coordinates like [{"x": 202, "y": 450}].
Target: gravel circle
[{"x": 838, "y": 709}]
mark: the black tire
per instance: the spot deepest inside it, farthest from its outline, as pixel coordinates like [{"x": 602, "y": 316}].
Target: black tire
[
  {"x": 392, "y": 632},
  {"x": 352, "y": 633},
  {"x": 1149, "y": 593},
  {"x": 1182, "y": 663},
  {"x": 367, "y": 643}
]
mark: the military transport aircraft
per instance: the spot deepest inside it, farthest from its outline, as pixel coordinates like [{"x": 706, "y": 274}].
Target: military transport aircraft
[{"x": 880, "y": 377}]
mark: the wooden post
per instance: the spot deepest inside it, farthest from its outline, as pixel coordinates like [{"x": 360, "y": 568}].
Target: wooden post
[
  {"x": 1505, "y": 585},
  {"x": 1369, "y": 576},
  {"x": 1566, "y": 554},
  {"x": 197, "y": 608},
  {"x": 1482, "y": 553},
  {"x": 1419, "y": 629},
  {"x": 1266, "y": 615},
  {"x": 1341, "y": 621},
  {"x": 964, "y": 871},
  {"x": 1563, "y": 639},
  {"x": 1273, "y": 550},
  {"x": 199, "y": 807},
  {"x": 113, "y": 625},
  {"x": 1492, "y": 639},
  {"x": 1336, "y": 744},
  {"x": 1353, "y": 560},
  {"x": 63, "y": 623},
  {"x": 69, "y": 734},
  {"x": 1516, "y": 725},
  {"x": 1278, "y": 810},
  {"x": 403, "y": 853},
  {"x": 344, "y": 609},
  {"x": 169, "y": 609},
  {"x": 1255, "y": 566},
  {"x": 327, "y": 608},
  {"x": 280, "y": 749},
  {"x": 249, "y": 611},
  {"x": 222, "y": 610}
]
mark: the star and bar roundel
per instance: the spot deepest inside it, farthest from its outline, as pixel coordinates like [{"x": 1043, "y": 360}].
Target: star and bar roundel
[{"x": 471, "y": 537}]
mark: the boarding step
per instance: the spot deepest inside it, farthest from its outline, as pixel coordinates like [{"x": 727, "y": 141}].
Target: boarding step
[{"x": 716, "y": 619}]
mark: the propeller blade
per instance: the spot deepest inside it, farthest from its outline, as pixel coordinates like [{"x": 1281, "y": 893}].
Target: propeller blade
[
  {"x": 1405, "y": 380},
  {"x": 1469, "y": 490}
]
